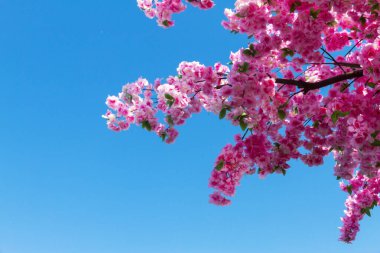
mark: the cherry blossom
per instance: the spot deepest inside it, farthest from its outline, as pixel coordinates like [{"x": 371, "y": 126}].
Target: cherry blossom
[
  {"x": 163, "y": 10},
  {"x": 288, "y": 94}
]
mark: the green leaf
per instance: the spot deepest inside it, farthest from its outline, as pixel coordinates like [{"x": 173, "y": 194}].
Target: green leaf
[
  {"x": 148, "y": 126},
  {"x": 222, "y": 113},
  {"x": 283, "y": 171},
  {"x": 243, "y": 115},
  {"x": 179, "y": 76},
  {"x": 316, "y": 124},
  {"x": 287, "y": 51},
  {"x": 169, "y": 119},
  {"x": 376, "y": 143},
  {"x": 354, "y": 28},
  {"x": 168, "y": 96},
  {"x": 371, "y": 84},
  {"x": 169, "y": 99},
  {"x": 128, "y": 97},
  {"x": 338, "y": 114},
  {"x": 169, "y": 102},
  {"x": 145, "y": 124},
  {"x": 366, "y": 211},
  {"x": 314, "y": 13},
  {"x": 375, "y": 7},
  {"x": 242, "y": 124},
  {"x": 338, "y": 178},
  {"x": 247, "y": 52},
  {"x": 294, "y": 6},
  {"x": 284, "y": 105},
  {"x": 281, "y": 114},
  {"x": 243, "y": 68},
  {"x": 220, "y": 165},
  {"x": 362, "y": 20},
  {"x": 274, "y": 169},
  {"x": 163, "y": 136},
  {"x": 250, "y": 51},
  {"x": 239, "y": 15},
  {"x": 349, "y": 189},
  {"x": 165, "y": 23},
  {"x": 374, "y": 134},
  {"x": 332, "y": 23}
]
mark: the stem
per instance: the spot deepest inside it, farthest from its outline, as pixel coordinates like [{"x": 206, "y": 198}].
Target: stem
[
  {"x": 245, "y": 133},
  {"x": 196, "y": 92},
  {"x": 290, "y": 97},
  {"x": 349, "y": 51}
]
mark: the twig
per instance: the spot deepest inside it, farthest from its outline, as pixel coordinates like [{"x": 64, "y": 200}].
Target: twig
[
  {"x": 196, "y": 92},
  {"x": 245, "y": 133},
  {"x": 295, "y": 93},
  {"x": 333, "y": 59},
  {"x": 349, "y": 51}
]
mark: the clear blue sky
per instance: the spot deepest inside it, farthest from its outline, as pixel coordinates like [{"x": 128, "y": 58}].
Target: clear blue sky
[{"x": 69, "y": 185}]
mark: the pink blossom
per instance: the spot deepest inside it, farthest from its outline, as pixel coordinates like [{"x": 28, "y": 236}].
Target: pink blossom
[{"x": 217, "y": 199}]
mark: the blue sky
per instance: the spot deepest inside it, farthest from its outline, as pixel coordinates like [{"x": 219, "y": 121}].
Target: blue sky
[{"x": 69, "y": 185}]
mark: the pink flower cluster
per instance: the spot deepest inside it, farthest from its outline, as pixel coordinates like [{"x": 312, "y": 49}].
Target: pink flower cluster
[
  {"x": 369, "y": 58},
  {"x": 163, "y": 10},
  {"x": 202, "y": 4},
  {"x": 279, "y": 122},
  {"x": 363, "y": 197},
  {"x": 181, "y": 95},
  {"x": 230, "y": 167}
]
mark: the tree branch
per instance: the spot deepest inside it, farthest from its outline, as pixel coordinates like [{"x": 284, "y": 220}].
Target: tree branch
[
  {"x": 344, "y": 64},
  {"x": 307, "y": 86}
]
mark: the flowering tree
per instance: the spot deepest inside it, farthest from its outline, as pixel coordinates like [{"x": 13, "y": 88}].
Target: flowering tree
[{"x": 290, "y": 96}]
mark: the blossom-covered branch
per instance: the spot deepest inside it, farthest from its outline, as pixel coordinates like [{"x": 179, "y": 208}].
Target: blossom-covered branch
[{"x": 292, "y": 48}]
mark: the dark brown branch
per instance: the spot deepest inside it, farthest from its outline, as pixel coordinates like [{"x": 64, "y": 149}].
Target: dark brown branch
[
  {"x": 307, "y": 86},
  {"x": 344, "y": 64}
]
